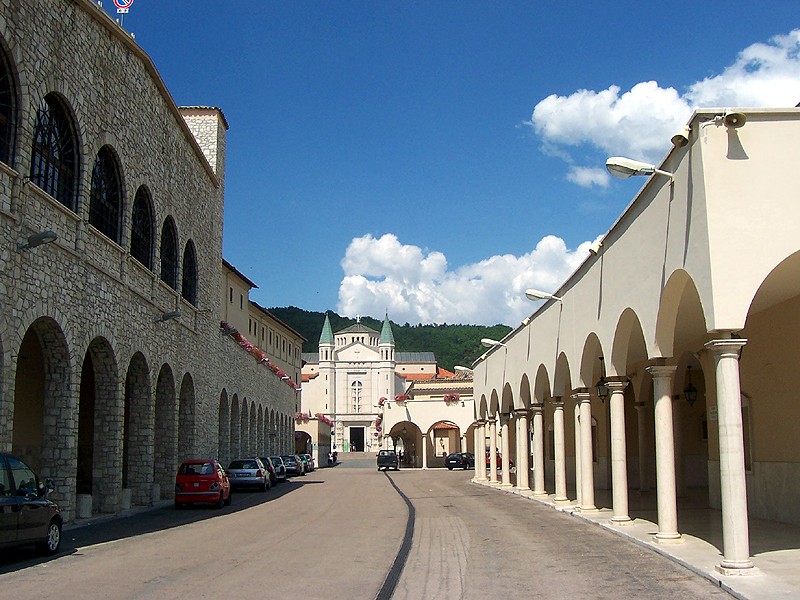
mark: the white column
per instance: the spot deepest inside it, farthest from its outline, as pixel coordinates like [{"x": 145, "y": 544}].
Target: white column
[
  {"x": 587, "y": 456},
  {"x": 641, "y": 419},
  {"x": 665, "y": 455},
  {"x": 560, "y": 450},
  {"x": 480, "y": 452},
  {"x": 677, "y": 429},
  {"x": 476, "y": 432},
  {"x": 522, "y": 449},
  {"x": 504, "y": 440},
  {"x": 538, "y": 450},
  {"x": 425, "y": 451},
  {"x": 735, "y": 531},
  {"x": 619, "y": 459},
  {"x": 493, "y": 450},
  {"x": 578, "y": 461}
]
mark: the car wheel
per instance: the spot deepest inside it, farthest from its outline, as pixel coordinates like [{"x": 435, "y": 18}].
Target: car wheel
[
  {"x": 51, "y": 543},
  {"x": 178, "y": 505},
  {"x": 221, "y": 502},
  {"x": 449, "y": 468}
]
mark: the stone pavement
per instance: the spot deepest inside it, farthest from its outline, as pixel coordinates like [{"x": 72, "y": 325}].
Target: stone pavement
[{"x": 774, "y": 547}]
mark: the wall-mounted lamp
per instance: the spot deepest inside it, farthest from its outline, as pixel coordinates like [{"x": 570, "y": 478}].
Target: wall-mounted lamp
[
  {"x": 490, "y": 343},
  {"x": 689, "y": 392},
  {"x": 602, "y": 385},
  {"x": 595, "y": 248},
  {"x": 622, "y": 167},
  {"x": 37, "y": 239},
  {"x": 681, "y": 139},
  {"x": 168, "y": 316},
  {"x": 537, "y": 295}
]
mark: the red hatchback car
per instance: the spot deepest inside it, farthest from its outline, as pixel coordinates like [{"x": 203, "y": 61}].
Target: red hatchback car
[{"x": 202, "y": 480}]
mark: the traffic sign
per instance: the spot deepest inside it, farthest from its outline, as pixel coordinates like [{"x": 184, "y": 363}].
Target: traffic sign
[{"x": 123, "y": 4}]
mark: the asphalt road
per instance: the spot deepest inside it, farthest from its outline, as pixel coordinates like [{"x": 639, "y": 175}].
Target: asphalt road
[{"x": 353, "y": 533}]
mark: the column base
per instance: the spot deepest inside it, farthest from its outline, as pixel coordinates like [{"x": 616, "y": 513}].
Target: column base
[
  {"x": 667, "y": 539},
  {"x": 621, "y": 521},
  {"x": 506, "y": 485},
  {"x": 541, "y": 494},
  {"x": 737, "y": 569},
  {"x": 587, "y": 509},
  {"x": 562, "y": 501}
]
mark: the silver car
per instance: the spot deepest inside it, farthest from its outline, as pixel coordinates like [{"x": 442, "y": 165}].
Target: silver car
[
  {"x": 280, "y": 468},
  {"x": 248, "y": 472}
]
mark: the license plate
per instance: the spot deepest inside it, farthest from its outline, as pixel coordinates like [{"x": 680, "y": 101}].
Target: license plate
[{"x": 196, "y": 484}]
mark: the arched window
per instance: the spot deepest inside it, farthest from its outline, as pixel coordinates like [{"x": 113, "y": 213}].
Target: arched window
[
  {"x": 356, "y": 389},
  {"x": 189, "y": 283},
  {"x": 105, "y": 197},
  {"x": 8, "y": 109},
  {"x": 54, "y": 161},
  {"x": 169, "y": 254},
  {"x": 142, "y": 228}
]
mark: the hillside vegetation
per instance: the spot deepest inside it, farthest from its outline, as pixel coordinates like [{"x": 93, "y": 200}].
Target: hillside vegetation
[{"x": 452, "y": 344}]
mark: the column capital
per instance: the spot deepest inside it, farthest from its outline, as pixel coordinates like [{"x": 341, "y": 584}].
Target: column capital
[
  {"x": 581, "y": 395},
  {"x": 661, "y": 371},
  {"x": 617, "y": 383},
  {"x": 538, "y": 407},
  {"x": 522, "y": 412},
  {"x": 726, "y": 346},
  {"x": 557, "y": 401}
]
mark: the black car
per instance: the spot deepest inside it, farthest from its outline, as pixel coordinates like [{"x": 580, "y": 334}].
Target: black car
[
  {"x": 460, "y": 460},
  {"x": 270, "y": 467},
  {"x": 26, "y": 515}
]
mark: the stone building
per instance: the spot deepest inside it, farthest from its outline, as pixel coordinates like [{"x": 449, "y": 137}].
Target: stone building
[
  {"x": 113, "y": 365},
  {"x": 667, "y": 361}
]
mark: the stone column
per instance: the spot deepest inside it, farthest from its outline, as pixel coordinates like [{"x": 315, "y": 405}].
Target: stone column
[
  {"x": 480, "y": 451},
  {"x": 476, "y": 431},
  {"x": 522, "y": 449},
  {"x": 425, "y": 451},
  {"x": 505, "y": 444},
  {"x": 584, "y": 400},
  {"x": 577, "y": 409},
  {"x": 641, "y": 414},
  {"x": 538, "y": 450},
  {"x": 560, "y": 451},
  {"x": 735, "y": 532},
  {"x": 677, "y": 422},
  {"x": 493, "y": 450},
  {"x": 665, "y": 455},
  {"x": 619, "y": 459}
]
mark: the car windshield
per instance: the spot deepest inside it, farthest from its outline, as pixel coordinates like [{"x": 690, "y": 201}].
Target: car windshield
[
  {"x": 288, "y": 459},
  {"x": 386, "y": 452},
  {"x": 196, "y": 469},
  {"x": 276, "y": 459},
  {"x": 243, "y": 464}
]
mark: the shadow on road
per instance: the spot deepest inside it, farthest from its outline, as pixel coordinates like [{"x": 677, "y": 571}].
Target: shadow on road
[{"x": 111, "y": 528}]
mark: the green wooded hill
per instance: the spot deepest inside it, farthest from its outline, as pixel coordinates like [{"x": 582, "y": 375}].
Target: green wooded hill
[{"x": 452, "y": 344}]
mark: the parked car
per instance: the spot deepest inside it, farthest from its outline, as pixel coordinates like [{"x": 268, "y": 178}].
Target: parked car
[
  {"x": 310, "y": 459},
  {"x": 270, "y": 467},
  {"x": 499, "y": 462},
  {"x": 202, "y": 480},
  {"x": 304, "y": 459},
  {"x": 387, "y": 459},
  {"x": 280, "y": 468},
  {"x": 294, "y": 466},
  {"x": 27, "y": 516},
  {"x": 460, "y": 460},
  {"x": 249, "y": 472}
]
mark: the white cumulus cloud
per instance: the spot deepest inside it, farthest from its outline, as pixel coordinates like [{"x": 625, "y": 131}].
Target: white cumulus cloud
[
  {"x": 640, "y": 122},
  {"x": 415, "y": 285}
]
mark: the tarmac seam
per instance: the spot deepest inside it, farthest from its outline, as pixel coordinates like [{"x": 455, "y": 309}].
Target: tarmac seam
[{"x": 390, "y": 583}]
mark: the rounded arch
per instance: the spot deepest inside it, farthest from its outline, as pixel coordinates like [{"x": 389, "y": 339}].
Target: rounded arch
[
  {"x": 483, "y": 409},
  {"x": 55, "y": 155},
  {"x": 166, "y": 429},
  {"x": 252, "y": 430},
  {"x": 541, "y": 385},
  {"x": 629, "y": 345},
  {"x": 106, "y": 194},
  {"x": 260, "y": 432},
  {"x": 507, "y": 401},
  {"x": 186, "y": 418},
  {"x": 189, "y": 274},
  {"x": 224, "y": 428},
  {"x": 244, "y": 429},
  {"x": 524, "y": 398},
  {"x": 137, "y": 444},
  {"x": 169, "y": 253},
  {"x": 562, "y": 381},
  {"x": 681, "y": 315},
  {"x": 592, "y": 360},
  {"x": 143, "y": 228},
  {"x": 235, "y": 430},
  {"x": 407, "y": 439},
  {"x": 494, "y": 404},
  {"x": 9, "y": 103}
]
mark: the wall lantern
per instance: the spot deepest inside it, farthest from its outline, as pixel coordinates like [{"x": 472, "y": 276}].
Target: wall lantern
[
  {"x": 689, "y": 392},
  {"x": 602, "y": 386}
]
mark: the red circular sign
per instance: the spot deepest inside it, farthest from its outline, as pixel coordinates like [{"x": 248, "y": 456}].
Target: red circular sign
[{"x": 123, "y": 3}]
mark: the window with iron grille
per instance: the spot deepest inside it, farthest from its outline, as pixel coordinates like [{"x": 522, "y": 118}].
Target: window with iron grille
[
  {"x": 169, "y": 254},
  {"x": 8, "y": 110},
  {"x": 54, "y": 161},
  {"x": 189, "y": 284},
  {"x": 105, "y": 197},
  {"x": 142, "y": 228}
]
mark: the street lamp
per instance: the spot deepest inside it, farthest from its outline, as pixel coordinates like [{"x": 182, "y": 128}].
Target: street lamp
[
  {"x": 37, "y": 239},
  {"x": 461, "y": 369},
  {"x": 535, "y": 295},
  {"x": 622, "y": 167},
  {"x": 490, "y": 343}
]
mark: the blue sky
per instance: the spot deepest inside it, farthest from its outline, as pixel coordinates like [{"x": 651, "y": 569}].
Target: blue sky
[{"x": 434, "y": 159}]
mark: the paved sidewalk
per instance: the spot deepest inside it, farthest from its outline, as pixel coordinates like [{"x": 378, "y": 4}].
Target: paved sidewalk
[{"x": 774, "y": 547}]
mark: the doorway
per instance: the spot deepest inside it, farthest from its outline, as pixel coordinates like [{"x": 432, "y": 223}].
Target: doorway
[{"x": 356, "y": 439}]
